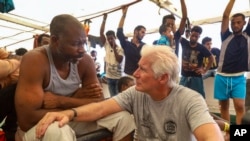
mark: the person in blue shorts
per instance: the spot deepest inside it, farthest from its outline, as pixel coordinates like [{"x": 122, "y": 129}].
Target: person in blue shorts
[{"x": 234, "y": 61}]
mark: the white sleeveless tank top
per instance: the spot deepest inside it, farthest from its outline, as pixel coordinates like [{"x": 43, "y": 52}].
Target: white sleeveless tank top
[{"x": 57, "y": 85}]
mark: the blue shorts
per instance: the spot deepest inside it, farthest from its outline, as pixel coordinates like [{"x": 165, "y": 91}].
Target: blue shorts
[
  {"x": 226, "y": 87},
  {"x": 194, "y": 83}
]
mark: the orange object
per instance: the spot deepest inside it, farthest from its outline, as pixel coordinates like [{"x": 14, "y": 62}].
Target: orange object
[{"x": 86, "y": 25}]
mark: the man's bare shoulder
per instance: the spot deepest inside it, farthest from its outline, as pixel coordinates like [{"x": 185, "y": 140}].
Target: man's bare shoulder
[
  {"x": 86, "y": 60},
  {"x": 35, "y": 60},
  {"x": 86, "y": 66},
  {"x": 38, "y": 54},
  {"x": 34, "y": 68}
]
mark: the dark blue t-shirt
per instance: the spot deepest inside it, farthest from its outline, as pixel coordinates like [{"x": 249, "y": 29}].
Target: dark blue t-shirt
[
  {"x": 131, "y": 52},
  {"x": 234, "y": 52}
]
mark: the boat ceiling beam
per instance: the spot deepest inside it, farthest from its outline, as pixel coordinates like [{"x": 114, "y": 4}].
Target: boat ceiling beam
[{"x": 23, "y": 23}]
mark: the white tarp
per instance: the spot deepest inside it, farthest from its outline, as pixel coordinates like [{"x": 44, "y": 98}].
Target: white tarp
[{"x": 147, "y": 13}]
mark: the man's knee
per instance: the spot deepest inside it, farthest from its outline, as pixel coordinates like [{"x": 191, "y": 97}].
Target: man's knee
[
  {"x": 55, "y": 131},
  {"x": 117, "y": 119},
  {"x": 118, "y": 124},
  {"x": 239, "y": 104},
  {"x": 124, "y": 117}
]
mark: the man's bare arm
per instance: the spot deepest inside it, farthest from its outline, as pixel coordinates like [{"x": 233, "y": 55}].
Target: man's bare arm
[
  {"x": 184, "y": 17},
  {"x": 124, "y": 12},
  {"x": 29, "y": 92},
  {"x": 52, "y": 101},
  {"x": 201, "y": 132},
  {"x": 91, "y": 87},
  {"x": 225, "y": 17},
  {"x": 102, "y": 36},
  {"x": 118, "y": 57}
]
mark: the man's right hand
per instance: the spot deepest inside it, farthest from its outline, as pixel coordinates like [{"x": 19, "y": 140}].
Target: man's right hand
[
  {"x": 89, "y": 91},
  {"x": 124, "y": 10},
  {"x": 105, "y": 16}
]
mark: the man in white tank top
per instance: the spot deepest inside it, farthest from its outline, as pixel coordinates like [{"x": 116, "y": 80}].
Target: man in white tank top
[{"x": 62, "y": 76}]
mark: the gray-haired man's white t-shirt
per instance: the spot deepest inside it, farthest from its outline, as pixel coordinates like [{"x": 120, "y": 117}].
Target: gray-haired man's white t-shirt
[{"x": 171, "y": 119}]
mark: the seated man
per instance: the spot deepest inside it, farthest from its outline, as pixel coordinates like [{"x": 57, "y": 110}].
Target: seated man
[
  {"x": 163, "y": 110},
  {"x": 62, "y": 76}
]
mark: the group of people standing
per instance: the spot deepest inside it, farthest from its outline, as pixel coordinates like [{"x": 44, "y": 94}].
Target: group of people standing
[
  {"x": 58, "y": 95},
  {"x": 229, "y": 64},
  {"x": 200, "y": 60}
]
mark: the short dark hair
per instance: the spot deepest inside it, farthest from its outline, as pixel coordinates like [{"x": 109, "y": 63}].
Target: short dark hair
[
  {"x": 239, "y": 15},
  {"x": 205, "y": 40},
  {"x": 196, "y": 29},
  {"x": 110, "y": 32},
  {"x": 21, "y": 51},
  {"x": 40, "y": 37},
  {"x": 93, "y": 51},
  {"x": 139, "y": 27},
  {"x": 169, "y": 16},
  {"x": 163, "y": 28},
  {"x": 123, "y": 81},
  {"x": 62, "y": 23}
]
